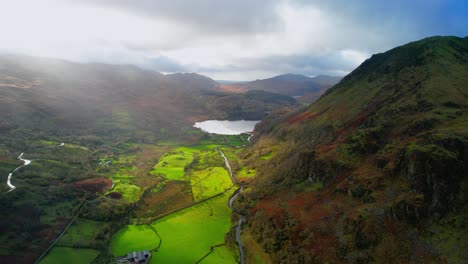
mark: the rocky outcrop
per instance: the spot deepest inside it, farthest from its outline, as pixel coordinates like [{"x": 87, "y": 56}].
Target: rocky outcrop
[{"x": 435, "y": 171}]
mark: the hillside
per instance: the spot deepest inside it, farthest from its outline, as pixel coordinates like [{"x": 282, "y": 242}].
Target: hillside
[
  {"x": 296, "y": 85},
  {"x": 374, "y": 171},
  {"x": 65, "y": 98}
]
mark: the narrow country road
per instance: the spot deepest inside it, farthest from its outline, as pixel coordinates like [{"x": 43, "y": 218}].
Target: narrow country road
[
  {"x": 235, "y": 210},
  {"x": 26, "y": 162}
]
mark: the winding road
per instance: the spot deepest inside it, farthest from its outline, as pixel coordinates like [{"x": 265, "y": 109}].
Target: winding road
[
  {"x": 26, "y": 162},
  {"x": 235, "y": 210}
]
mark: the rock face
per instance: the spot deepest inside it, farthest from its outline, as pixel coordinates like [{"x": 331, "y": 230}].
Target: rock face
[
  {"x": 436, "y": 171},
  {"x": 370, "y": 170}
]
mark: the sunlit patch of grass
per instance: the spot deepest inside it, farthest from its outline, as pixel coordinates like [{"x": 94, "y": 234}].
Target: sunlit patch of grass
[
  {"x": 172, "y": 164},
  {"x": 209, "y": 182},
  {"x": 267, "y": 156},
  {"x": 246, "y": 173},
  {"x": 134, "y": 238},
  {"x": 130, "y": 192},
  {"x": 192, "y": 231}
]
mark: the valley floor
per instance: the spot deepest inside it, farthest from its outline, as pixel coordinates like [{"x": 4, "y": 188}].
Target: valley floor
[{"x": 176, "y": 206}]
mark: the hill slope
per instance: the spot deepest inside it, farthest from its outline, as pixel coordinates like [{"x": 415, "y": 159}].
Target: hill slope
[
  {"x": 288, "y": 84},
  {"x": 64, "y": 98},
  {"x": 376, "y": 170}
]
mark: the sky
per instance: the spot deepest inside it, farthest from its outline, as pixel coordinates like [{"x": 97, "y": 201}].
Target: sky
[{"x": 225, "y": 40}]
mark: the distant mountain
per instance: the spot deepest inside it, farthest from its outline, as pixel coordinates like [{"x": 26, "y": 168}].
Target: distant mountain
[
  {"x": 56, "y": 96},
  {"x": 288, "y": 84},
  {"x": 374, "y": 171},
  {"x": 192, "y": 80}
]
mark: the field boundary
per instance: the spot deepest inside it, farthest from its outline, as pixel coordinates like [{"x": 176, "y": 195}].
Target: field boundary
[
  {"x": 61, "y": 234},
  {"x": 212, "y": 248},
  {"x": 147, "y": 221}
]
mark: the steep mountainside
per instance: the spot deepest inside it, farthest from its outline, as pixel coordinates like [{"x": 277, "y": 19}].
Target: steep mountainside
[
  {"x": 288, "y": 84},
  {"x": 375, "y": 171}
]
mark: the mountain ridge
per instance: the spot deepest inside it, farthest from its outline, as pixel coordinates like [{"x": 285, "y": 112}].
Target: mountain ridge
[
  {"x": 385, "y": 147},
  {"x": 306, "y": 89}
]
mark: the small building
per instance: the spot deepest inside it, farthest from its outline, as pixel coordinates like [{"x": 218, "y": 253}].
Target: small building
[{"x": 139, "y": 257}]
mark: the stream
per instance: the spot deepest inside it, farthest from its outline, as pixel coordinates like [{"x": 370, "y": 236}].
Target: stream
[
  {"x": 235, "y": 210},
  {"x": 26, "y": 162}
]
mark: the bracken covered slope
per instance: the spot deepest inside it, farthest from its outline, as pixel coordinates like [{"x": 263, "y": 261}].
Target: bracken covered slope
[{"x": 374, "y": 171}]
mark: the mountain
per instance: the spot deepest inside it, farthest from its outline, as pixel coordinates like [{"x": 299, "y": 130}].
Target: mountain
[
  {"x": 192, "y": 80},
  {"x": 376, "y": 170},
  {"x": 287, "y": 84},
  {"x": 64, "y": 98}
]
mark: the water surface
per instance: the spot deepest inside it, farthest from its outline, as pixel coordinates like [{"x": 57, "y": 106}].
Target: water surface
[{"x": 226, "y": 127}]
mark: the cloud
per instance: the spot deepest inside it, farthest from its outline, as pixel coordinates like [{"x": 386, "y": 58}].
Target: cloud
[
  {"x": 221, "y": 17},
  {"x": 225, "y": 39},
  {"x": 164, "y": 64}
]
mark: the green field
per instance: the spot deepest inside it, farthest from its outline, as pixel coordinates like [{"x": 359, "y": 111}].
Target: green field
[
  {"x": 83, "y": 233},
  {"x": 246, "y": 173},
  {"x": 130, "y": 192},
  {"x": 134, "y": 238},
  {"x": 189, "y": 234},
  {"x": 208, "y": 182},
  {"x": 172, "y": 164},
  {"x": 186, "y": 236},
  {"x": 70, "y": 256}
]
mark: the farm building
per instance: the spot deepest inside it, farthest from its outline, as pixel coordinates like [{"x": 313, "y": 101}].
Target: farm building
[{"x": 139, "y": 257}]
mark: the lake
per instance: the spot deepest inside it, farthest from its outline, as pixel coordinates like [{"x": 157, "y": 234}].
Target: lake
[{"x": 226, "y": 127}]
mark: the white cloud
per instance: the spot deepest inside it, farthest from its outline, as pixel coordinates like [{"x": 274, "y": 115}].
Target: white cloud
[{"x": 234, "y": 39}]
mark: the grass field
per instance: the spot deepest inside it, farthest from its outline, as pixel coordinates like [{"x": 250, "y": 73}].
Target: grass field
[
  {"x": 133, "y": 238},
  {"x": 172, "y": 164},
  {"x": 186, "y": 235},
  {"x": 130, "y": 192},
  {"x": 83, "y": 233},
  {"x": 208, "y": 182},
  {"x": 189, "y": 234},
  {"x": 246, "y": 173},
  {"x": 70, "y": 256}
]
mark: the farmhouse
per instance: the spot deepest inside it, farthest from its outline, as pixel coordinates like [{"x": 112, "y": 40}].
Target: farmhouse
[{"x": 139, "y": 257}]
